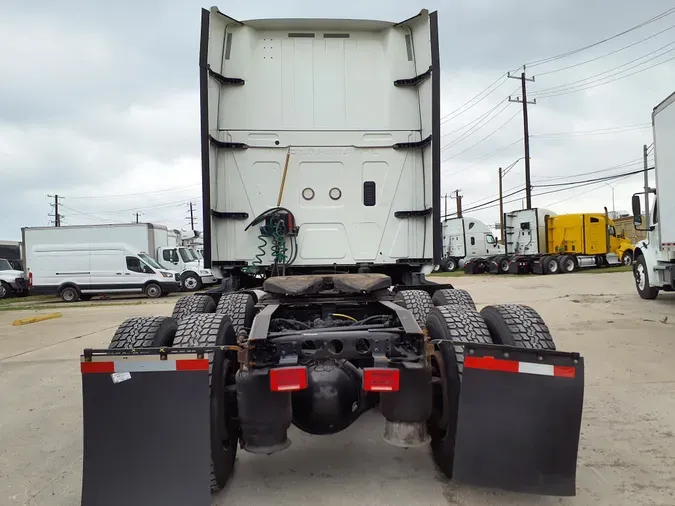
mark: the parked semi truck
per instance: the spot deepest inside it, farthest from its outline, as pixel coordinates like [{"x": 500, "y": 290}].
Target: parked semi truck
[
  {"x": 162, "y": 245},
  {"x": 321, "y": 165},
  {"x": 538, "y": 240},
  {"x": 466, "y": 239},
  {"x": 654, "y": 267}
]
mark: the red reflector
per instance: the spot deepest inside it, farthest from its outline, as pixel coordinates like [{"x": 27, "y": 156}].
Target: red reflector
[
  {"x": 564, "y": 371},
  {"x": 380, "y": 379},
  {"x": 288, "y": 379},
  {"x": 192, "y": 365},
  {"x": 97, "y": 367}
]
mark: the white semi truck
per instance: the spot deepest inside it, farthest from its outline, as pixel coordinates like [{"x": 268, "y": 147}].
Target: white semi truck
[
  {"x": 654, "y": 266},
  {"x": 466, "y": 239},
  {"x": 321, "y": 165},
  {"x": 156, "y": 241}
]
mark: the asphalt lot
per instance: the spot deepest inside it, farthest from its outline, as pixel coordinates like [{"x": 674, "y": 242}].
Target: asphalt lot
[{"x": 627, "y": 450}]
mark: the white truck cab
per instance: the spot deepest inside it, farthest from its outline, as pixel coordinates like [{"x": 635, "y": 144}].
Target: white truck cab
[
  {"x": 467, "y": 238},
  {"x": 12, "y": 281},
  {"x": 654, "y": 266},
  {"x": 187, "y": 262}
]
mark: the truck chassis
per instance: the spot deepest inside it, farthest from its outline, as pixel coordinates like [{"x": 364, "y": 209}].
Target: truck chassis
[{"x": 318, "y": 351}]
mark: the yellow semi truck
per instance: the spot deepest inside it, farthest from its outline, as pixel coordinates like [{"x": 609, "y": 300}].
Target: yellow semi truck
[{"x": 539, "y": 241}]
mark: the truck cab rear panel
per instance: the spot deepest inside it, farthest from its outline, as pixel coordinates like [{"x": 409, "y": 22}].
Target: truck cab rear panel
[{"x": 320, "y": 117}]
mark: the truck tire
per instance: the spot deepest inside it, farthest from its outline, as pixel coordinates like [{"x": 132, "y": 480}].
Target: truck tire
[
  {"x": 152, "y": 291},
  {"x": 69, "y": 294},
  {"x": 448, "y": 324},
  {"x": 627, "y": 258},
  {"x": 550, "y": 264},
  {"x": 448, "y": 297},
  {"x": 208, "y": 330},
  {"x": 645, "y": 290},
  {"x": 144, "y": 332},
  {"x": 193, "y": 304},
  {"x": 502, "y": 264},
  {"x": 191, "y": 281},
  {"x": 567, "y": 264},
  {"x": 418, "y": 302},
  {"x": 517, "y": 325},
  {"x": 240, "y": 307},
  {"x": 5, "y": 290},
  {"x": 451, "y": 264}
]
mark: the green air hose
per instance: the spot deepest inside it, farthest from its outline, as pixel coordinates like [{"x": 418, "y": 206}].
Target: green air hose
[{"x": 275, "y": 230}]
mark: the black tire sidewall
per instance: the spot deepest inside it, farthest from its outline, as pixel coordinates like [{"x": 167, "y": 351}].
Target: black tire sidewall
[
  {"x": 7, "y": 290},
  {"x": 499, "y": 330},
  {"x": 198, "y": 281},
  {"x": 147, "y": 290},
  {"x": 75, "y": 291}
]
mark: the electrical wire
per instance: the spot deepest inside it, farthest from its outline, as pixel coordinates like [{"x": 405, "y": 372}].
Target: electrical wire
[
  {"x": 486, "y": 157},
  {"x": 124, "y": 195},
  {"x": 606, "y": 82},
  {"x": 473, "y": 121},
  {"x": 589, "y": 46},
  {"x": 604, "y": 55},
  {"x": 571, "y": 84},
  {"x": 452, "y": 115},
  {"x": 599, "y": 131},
  {"x": 484, "y": 138},
  {"x": 475, "y": 128}
]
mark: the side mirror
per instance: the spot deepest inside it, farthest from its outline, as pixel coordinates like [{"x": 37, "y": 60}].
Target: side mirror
[
  {"x": 637, "y": 211},
  {"x": 637, "y": 220}
]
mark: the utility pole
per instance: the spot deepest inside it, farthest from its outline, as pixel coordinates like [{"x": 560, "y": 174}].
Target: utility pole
[
  {"x": 501, "y": 208},
  {"x": 645, "y": 155},
  {"x": 526, "y": 131},
  {"x": 192, "y": 218},
  {"x": 445, "y": 212},
  {"x": 458, "y": 199},
  {"x": 57, "y": 215},
  {"x": 137, "y": 214}
]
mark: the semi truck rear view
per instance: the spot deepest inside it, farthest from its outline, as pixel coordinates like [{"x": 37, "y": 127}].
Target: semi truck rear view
[
  {"x": 654, "y": 267},
  {"x": 321, "y": 190}
]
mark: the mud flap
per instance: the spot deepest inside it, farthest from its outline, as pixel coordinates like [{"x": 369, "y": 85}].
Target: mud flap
[
  {"x": 146, "y": 431},
  {"x": 519, "y": 419}
]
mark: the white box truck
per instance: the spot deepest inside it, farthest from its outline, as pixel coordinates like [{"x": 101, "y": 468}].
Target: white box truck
[
  {"x": 654, "y": 266},
  {"x": 466, "y": 239},
  {"x": 157, "y": 241}
]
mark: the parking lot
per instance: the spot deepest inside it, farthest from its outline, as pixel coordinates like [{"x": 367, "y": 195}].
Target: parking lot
[{"x": 627, "y": 449}]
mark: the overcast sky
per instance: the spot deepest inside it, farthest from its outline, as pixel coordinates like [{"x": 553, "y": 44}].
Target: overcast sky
[{"x": 101, "y": 99}]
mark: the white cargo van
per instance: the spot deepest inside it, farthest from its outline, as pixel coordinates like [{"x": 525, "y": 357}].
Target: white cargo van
[{"x": 79, "y": 271}]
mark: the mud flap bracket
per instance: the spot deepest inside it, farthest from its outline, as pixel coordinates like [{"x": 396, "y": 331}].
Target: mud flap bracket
[{"x": 519, "y": 419}]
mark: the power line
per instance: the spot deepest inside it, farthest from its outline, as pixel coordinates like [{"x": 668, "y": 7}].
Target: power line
[
  {"x": 57, "y": 216},
  {"x": 475, "y": 128},
  {"x": 448, "y": 117},
  {"x": 124, "y": 195},
  {"x": 473, "y": 121},
  {"x": 589, "y": 46},
  {"x": 486, "y": 157},
  {"x": 604, "y": 55},
  {"x": 577, "y": 82},
  {"x": 599, "y": 179},
  {"x": 606, "y": 82},
  {"x": 483, "y": 139},
  {"x": 598, "y": 131}
]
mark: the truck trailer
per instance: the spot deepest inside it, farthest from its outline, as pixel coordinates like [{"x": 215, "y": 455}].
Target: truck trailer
[
  {"x": 654, "y": 267},
  {"x": 539, "y": 241},
  {"x": 321, "y": 188},
  {"x": 465, "y": 239},
  {"x": 162, "y": 245}
]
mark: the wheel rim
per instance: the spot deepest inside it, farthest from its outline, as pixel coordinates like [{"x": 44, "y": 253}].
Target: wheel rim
[
  {"x": 627, "y": 260},
  {"x": 153, "y": 291},
  {"x": 553, "y": 265},
  {"x": 190, "y": 283},
  {"x": 505, "y": 265},
  {"x": 3, "y": 292},
  {"x": 569, "y": 265},
  {"x": 641, "y": 278},
  {"x": 68, "y": 294}
]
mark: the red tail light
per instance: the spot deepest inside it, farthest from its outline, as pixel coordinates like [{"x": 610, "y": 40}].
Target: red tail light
[
  {"x": 30, "y": 279},
  {"x": 377, "y": 379},
  {"x": 288, "y": 379}
]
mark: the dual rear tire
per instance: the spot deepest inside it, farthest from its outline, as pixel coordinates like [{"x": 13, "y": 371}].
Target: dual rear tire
[{"x": 449, "y": 326}]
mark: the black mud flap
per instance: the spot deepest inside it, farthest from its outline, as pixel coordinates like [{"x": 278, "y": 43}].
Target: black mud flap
[
  {"x": 519, "y": 419},
  {"x": 146, "y": 431}
]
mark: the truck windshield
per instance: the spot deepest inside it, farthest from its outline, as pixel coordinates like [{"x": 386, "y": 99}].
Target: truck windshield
[
  {"x": 490, "y": 239},
  {"x": 4, "y": 265},
  {"x": 194, "y": 254},
  {"x": 150, "y": 261},
  {"x": 185, "y": 255}
]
